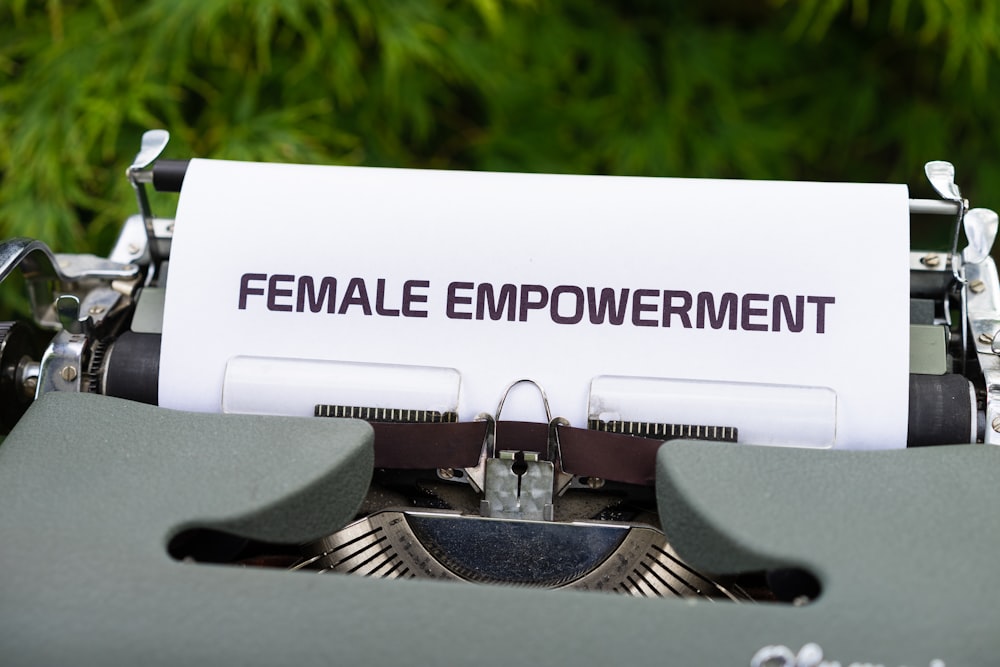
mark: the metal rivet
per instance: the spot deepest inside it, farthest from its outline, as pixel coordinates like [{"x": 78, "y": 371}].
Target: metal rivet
[
  {"x": 985, "y": 338},
  {"x": 68, "y": 373},
  {"x": 96, "y": 310},
  {"x": 977, "y": 286},
  {"x": 446, "y": 473},
  {"x": 932, "y": 260}
]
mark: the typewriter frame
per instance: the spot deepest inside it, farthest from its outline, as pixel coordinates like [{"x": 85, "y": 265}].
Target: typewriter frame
[{"x": 96, "y": 307}]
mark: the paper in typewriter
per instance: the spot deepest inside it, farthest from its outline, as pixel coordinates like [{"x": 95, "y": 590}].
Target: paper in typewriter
[{"x": 561, "y": 279}]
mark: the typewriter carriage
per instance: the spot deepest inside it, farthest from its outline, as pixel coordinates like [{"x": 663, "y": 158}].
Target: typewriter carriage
[{"x": 104, "y": 316}]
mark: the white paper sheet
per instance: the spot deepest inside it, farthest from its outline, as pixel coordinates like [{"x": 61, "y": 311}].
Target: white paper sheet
[{"x": 828, "y": 259}]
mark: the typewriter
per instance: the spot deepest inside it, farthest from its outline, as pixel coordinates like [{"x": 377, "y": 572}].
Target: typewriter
[{"x": 369, "y": 534}]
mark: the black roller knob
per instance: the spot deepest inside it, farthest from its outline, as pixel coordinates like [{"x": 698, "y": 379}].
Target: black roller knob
[
  {"x": 133, "y": 367},
  {"x": 942, "y": 411},
  {"x": 168, "y": 175},
  {"x": 20, "y": 346}
]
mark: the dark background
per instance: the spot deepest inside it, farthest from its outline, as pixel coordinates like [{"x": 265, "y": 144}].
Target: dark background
[{"x": 835, "y": 90}]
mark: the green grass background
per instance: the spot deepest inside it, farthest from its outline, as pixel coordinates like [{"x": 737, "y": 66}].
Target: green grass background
[{"x": 843, "y": 90}]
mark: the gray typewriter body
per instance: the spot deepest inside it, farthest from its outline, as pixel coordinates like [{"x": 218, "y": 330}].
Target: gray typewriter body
[{"x": 129, "y": 532}]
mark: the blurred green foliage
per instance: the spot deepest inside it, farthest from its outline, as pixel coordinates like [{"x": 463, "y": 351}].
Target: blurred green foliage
[{"x": 782, "y": 89}]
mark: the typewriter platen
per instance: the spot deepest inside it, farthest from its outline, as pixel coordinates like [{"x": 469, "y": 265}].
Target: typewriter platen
[{"x": 537, "y": 506}]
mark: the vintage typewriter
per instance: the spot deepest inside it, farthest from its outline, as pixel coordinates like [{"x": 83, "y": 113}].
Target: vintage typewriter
[{"x": 128, "y": 531}]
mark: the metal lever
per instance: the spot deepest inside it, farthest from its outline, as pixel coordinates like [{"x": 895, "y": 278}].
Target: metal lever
[
  {"x": 981, "y": 231},
  {"x": 68, "y": 311},
  {"x": 941, "y": 175},
  {"x": 49, "y": 276},
  {"x": 153, "y": 143},
  {"x": 518, "y": 484}
]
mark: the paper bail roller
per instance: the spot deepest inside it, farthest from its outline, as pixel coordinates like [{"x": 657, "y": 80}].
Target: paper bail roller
[{"x": 763, "y": 414}]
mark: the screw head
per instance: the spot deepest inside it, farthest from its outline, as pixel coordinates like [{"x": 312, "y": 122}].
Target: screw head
[
  {"x": 68, "y": 373},
  {"x": 977, "y": 286},
  {"x": 446, "y": 473},
  {"x": 595, "y": 482},
  {"x": 133, "y": 249},
  {"x": 985, "y": 338},
  {"x": 931, "y": 260},
  {"x": 96, "y": 310}
]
